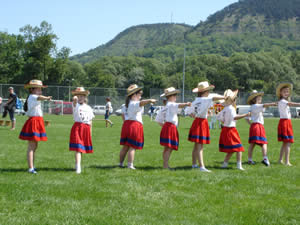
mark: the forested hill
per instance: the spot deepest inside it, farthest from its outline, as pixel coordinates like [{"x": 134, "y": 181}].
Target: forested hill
[
  {"x": 245, "y": 26},
  {"x": 273, "y": 18},
  {"x": 136, "y": 38}
]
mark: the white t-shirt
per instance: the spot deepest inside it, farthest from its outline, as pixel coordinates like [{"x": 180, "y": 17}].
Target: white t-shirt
[
  {"x": 124, "y": 112},
  {"x": 34, "y": 106},
  {"x": 171, "y": 112},
  {"x": 108, "y": 107},
  {"x": 134, "y": 111},
  {"x": 257, "y": 113},
  {"x": 161, "y": 115},
  {"x": 83, "y": 113},
  {"x": 284, "y": 109},
  {"x": 226, "y": 116},
  {"x": 200, "y": 107}
]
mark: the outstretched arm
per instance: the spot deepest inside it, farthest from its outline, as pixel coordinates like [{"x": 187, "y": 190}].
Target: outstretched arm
[
  {"x": 294, "y": 104},
  {"x": 218, "y": 98},
  {"x": 44, "y": 98},
  {"x": 270, "y": 104},
  {"x": 238, "y": 117},
  {"x": 182, "y": 105},
  {"x": 147, "y": 101}
]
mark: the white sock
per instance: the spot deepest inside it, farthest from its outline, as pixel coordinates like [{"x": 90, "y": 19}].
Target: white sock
[
  {"x": 250, "y": 159},
  {"x": 121, "y": 164},
  {"x": 194, "y": 166},
  {"x": 225, "y": 164},
  {"x": 266, "y": 158},
  {"x": 239, "y": 164},
  {"x": 130, "y": 164}
]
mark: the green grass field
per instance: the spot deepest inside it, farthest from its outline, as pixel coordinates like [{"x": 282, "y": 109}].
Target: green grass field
[{"x": 106, "y": 194}]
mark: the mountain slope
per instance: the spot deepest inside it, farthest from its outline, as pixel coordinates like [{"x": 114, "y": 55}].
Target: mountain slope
[{"x": 137, "y": 38}]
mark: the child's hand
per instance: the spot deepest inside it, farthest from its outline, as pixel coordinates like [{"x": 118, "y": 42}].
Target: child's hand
[
  {"x": 189, "y": 104},
  {"x": 249, "y": 114},
  {"x": 49, "y": 98},
  {"x": 153, "y": 101}
]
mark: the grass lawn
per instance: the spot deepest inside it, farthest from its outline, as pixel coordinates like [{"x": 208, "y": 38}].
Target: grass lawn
[{"x": 106, "y": 194}]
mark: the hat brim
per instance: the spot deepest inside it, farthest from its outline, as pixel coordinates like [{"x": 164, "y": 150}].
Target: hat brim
[
  {"x": 280, "y": 86},
  {"x": 234, "y": 95},
  {"x": 197, "y": 90},
  {"x": 134, "y": 91},
  {"x": 27, "y": 86},
  {"x": 170, "y": 93},
  {"x": 251, "y": 97},
  {"x": 85, "y": 93}
]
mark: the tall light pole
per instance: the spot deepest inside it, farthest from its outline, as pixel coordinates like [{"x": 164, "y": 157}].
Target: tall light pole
[
  {"x": 183, "y": 73},
  {"x": 70, "y": 88}
]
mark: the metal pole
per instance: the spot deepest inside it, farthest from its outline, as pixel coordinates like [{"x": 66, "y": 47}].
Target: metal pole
[{"x": 183, "y": 75}]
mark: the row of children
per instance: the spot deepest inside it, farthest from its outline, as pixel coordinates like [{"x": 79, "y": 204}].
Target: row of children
[{"x": 132, "y": 137}]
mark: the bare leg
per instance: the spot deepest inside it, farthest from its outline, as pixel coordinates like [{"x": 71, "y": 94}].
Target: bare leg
[
  {"x": 250, "y": 151},
  {"x": 264, "y": 150},
  {"x": 194, "y": 155},
  {"x": 287, "y": 153},
  {"x": 228, "y": 156},
  {"x": 123, "y": 154},
  {"x": 199, "y": 154},
  {"x": 166, "y": 156},
  {"x": 131, "y": 153},
  {"x": 78, "y": 161},
  {"x": 13, "y": 124},
  {"x": 281, "y": 153},
  {"x": 32, "y": 145}
]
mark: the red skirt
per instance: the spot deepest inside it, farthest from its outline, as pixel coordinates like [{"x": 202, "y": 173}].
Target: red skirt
[
  {"x": 285, "y": 131},
  {"x": 80, "y": 138},
  {"x": 257, "y": 134},
  {"x": 230, "y": 140},
  {"x": 34, "y": 130},
  {"x": 169, "y": 136},
  {"x": 132, "y": 134},
  {"x": 199, "y": 131}
]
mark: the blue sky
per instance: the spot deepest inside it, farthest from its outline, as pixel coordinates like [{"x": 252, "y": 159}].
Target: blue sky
[{"x": 85, "y": 24}]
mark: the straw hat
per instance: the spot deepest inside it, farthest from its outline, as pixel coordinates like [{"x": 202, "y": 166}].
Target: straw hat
[
  {"x": 133, "y": 88},
  {"x": 34, "y": 84},
  {"x": 230, "y": 95},
  {"x": 203, "y": 86},
  {"x": 253, "y": 95},
  {"x": 284, "y": 85},
  {"x": 169, "y": 91},
  {"x": 80, "y": 91}
]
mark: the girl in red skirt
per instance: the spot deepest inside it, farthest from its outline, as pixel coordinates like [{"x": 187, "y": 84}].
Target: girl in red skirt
[
  {"x": 33, "y": 130},
  {"x": 80, "y": 138},
  {"x": 230, "y": 141},
  {"x": 199, "y": 131},
  {"x": 169, "y": 135},
  {"x": 285, "y": 129},
  {"x": 257, "y": 134},
  {"x": 132, "y": 135}
]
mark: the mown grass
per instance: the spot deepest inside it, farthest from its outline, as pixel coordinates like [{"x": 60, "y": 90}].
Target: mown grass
[{"x": 106, "y": 194}]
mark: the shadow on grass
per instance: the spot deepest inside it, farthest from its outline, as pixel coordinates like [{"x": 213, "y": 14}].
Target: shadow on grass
[
  {"x": 13, "y": 170},
  {"x": 106, "y": 167},
  {"x": 55, "y": 169}
]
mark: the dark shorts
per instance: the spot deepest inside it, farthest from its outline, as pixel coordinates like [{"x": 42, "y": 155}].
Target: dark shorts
[
  {"x": 12, "y": 114},
  {"x": 106, "y": 116}
]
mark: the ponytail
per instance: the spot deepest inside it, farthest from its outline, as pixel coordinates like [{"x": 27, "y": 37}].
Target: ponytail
[
  {"x": 127, "y": 100},
  {"x": 25, "y": 107}
]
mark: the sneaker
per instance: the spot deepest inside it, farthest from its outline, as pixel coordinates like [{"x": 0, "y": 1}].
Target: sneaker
[
  {"x": 78, "y": 170},
  {"x": 240, "y": 168},
  {"x": 111, "y": 125},
  {"x": 205, "y": 170},
  {"x": 265, "y": 162},
  {"x": 195, "y": 167},
  {"x": 131, "y": 167},
  {"x": 250, "y": 162},
  {"x": 32, "y": 170}
]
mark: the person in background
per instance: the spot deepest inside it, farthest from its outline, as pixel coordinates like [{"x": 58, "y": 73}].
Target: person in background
[
  {"x": 152, "y": 108},
  {"x": 10, "y": 107},
  {"x": 108, "y": 111}
]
